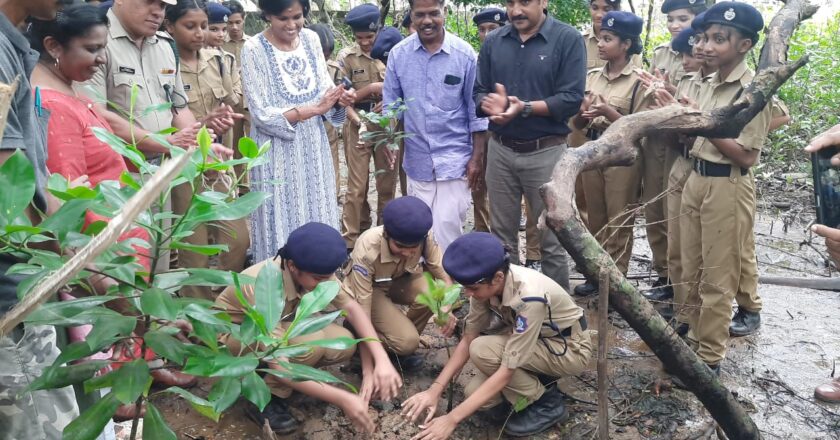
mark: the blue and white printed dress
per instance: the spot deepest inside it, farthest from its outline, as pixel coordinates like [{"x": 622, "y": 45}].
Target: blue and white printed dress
[{"x": 299, "y": 171}]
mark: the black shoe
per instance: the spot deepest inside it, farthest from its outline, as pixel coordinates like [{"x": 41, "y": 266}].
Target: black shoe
[
  {"x": 539, "y": 416},
  {"x": 744, "y": 323},
  {"x": 586, "y": 289},
  {"x": 407, "y": 364},
  {"x": 277, "y": 413},
  {"x": 534, "y": 264},
  {"x": 661, "y": 290},
  {"x": 680, "y": 384},
  {"x": 681, "y": 328}
]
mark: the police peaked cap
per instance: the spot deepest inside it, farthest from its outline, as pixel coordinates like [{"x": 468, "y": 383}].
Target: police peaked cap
[
  {"x": 363, "y": 18},
  {"x": 673, "y": 5},
  {"x": 474, "y": 257},
  {"x": 386, "y": 39},
  {"x": 626, "y": 24},
  {"x": 406, "y": 21},
  {"x": 490, "y": 15},
  {"x": 407, "y": 219},
  {"x": 315, "y": 248},
  {"x": 216, "y": 13},
  {"x": 684, "y": 42},
  {"x": 736, "y": 14}
]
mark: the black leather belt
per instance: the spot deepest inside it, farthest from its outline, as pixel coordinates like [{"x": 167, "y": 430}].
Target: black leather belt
[
  {"x": 527, "y": 146},
  {"x": 712, "y": 169},
  {"x": 366, "y": 106},
  {"x": 568, "y": 331}
]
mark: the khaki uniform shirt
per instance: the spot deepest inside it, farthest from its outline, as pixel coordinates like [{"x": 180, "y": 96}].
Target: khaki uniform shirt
[
  {"x": 689, "y": 85},
  {"x": 779, "y": 108},
  {"x": 719, "y": 92},
  {"x": 372, "y": 265},
  {"x": 235, "y": 48},
  {"x": 624, "y": 93},
  {"x": 152, "y": 68},
  {"x": 528, "y": 319},
  {"x": 214, "y": 82},
  {"x": 668, "y": 59},
  {"x": 228, "y": 301},
  {"x": 360, "y": 68},
  {"x": 590, "y": 40}
]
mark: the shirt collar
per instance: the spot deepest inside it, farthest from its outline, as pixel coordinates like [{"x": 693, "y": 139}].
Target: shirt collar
[
  {"x": 356, "y": 50},
  {"x": 15, "y": 37},
  {"x": 289, "y": 286},
  {"x": 385, "y": 254},
  {"x": 737, "y": 75},
  {"x": 116, "y": 29},
  {"x": 628, "y": 69},
  {"x": 446, "y": 47},
  {"x": 544, "y": 30},
  {"x": 509, "y": 291}
]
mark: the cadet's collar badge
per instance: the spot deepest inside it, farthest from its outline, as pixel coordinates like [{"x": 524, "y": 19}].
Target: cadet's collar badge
[
  {"x": 521, "y": 324},
  {"x": 497, "y": 17},
  {"x": 729, "y": 15}
]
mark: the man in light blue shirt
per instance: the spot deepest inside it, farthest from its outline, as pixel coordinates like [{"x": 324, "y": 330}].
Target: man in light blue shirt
[{"x": 433, "y": 71}]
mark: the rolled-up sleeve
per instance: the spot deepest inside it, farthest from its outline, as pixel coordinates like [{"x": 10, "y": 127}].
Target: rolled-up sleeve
[{"x": 570, "y": 79}]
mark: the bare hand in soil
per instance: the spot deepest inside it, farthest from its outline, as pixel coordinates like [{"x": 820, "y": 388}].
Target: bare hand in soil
[
  {"x": 386, "y": 381},
  {"x": 449, "y": 328},
  {"x": 438, "y": 429},
  {"x": 356, "y": 410},
  {"x": 367, "y": 389},
  {"x": 832, "y": 240},
  {"x": 420, "y": 403}
]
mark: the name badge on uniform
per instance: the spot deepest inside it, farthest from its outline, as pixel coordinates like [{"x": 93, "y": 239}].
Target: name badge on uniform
[
  {"x": 358, "y": 71},
  {"x": 521, "y": 324},
  {"x": 361, "y": 269},
  {"x": 128, "y": 70},
  {"x": 187, "y": 87}
]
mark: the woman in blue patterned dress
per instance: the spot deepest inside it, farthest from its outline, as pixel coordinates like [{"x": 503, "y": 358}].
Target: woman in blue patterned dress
[{"x": 288, "y": 91}]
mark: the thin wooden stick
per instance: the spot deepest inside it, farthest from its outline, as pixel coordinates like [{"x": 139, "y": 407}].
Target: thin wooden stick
[
  {"x": 603, "y": 328},
  {"x": 116, "y": 227}
]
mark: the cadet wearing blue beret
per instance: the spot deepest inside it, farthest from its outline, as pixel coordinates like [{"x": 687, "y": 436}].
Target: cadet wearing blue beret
[
  {"x": 684, "y": 43},
  {"x": 625, "y": 24},
  {"x": 697, "y": 23},
  {"x": 386, "y": 270},
  {"x": 696, "y": 6},
  {"x": 488, "y": 20},
  {"x": 736, "y": 14},
  {"x": 312, "y": 254},
  {"x": 216, "y": 13},
  {"x": 545, "y": 336},
  {"x": 364, "y": 17},
  {"x": 386, "y": 39}
]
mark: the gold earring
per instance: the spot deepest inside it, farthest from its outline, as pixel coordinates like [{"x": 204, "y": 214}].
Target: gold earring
[{"x": 56, "y": 62}]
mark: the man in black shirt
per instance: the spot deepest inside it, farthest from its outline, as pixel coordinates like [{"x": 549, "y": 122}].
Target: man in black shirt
[{"x": 531, "y": 78}]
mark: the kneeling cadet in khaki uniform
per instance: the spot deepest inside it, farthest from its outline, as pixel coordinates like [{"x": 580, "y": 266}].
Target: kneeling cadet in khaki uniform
[
  {"x": 721, "y": 190},
  {"x": 386, "y": 271},
  {"x": 311, "y": 255},
  {"x": 211, "y": 82},
  {"x": 546, "y": 336}
]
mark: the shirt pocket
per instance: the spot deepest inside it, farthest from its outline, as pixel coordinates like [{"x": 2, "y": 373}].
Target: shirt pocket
[
  {"x": 450, "y": 96},
  {"x": 360, "y": 78},
  {"x": 619, "y": 103},
  {"x": 123, "y": 83}
]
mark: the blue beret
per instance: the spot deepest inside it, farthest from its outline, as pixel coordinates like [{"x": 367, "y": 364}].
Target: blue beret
[
  {"x": 697, "y": 23},
  {"x": 406, "y": 21},
  {"x": 362, "y": 18},
  {"x": 684, "y": 42},
  {"x": 626, "y": 24},
  {"x": 490, "y": 15},
  {"x": 106, "y": 5},
  {"x": 315, "y": 248},
  {"x": 407, "y": 219},
  {"x": 216, "y": 13},
  {"x": 386, "y": 39},
  {"x": 473, "y": 257},
  {"x": 736, "y": 14},
  {"x": 673, "y": 5}
]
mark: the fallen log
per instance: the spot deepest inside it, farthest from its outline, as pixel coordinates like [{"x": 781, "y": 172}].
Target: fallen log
[
  {"x": 619, "y": 146},
  {"x": 803, "y": 283}
]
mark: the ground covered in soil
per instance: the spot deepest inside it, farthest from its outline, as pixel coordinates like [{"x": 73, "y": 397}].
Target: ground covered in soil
[{"x": 773, "y": 373}]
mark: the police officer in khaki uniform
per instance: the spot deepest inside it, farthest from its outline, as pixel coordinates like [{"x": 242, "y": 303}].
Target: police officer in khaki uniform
[
  {"x": 386, "y": 271},
  {"x": 721, "y": 189},
  {"x": 311, "y": 255},
  {"x": 546, "y": 336},
  {"x": 613, "y": 91},
  {"x": 210, "y": 80},
  {"x": 667, "y": 69},
  {"x": 366, "y": 74}
]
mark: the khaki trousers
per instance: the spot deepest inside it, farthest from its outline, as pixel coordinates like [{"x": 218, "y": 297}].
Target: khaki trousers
[
  {"x": 233, "y": 233},
  {"x": 486, "y": 354},
  {"x": 512, "y": 175},
  {"x": 747, "y": 296},
  {"x": 318, "y": 357},
  {"x": 657, "y": 167},
  {"x": 611, "y": 197},
  {"x": 356, "y": 212},
  {"x": 399, "y": 331},
  {"x": 715, "y": 231},
  {"x": 334, "y": 136},
  {"x": 676, "y": 181}
]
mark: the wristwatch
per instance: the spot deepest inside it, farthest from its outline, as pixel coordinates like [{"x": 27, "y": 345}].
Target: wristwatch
[{"x": 527, "y": 110}]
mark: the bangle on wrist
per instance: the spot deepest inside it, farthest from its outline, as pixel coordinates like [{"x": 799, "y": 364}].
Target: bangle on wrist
[{"x": 297, "y": 113}]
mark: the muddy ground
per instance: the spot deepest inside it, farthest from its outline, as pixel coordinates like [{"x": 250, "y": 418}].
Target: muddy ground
[{"x": 773, "y": 373}]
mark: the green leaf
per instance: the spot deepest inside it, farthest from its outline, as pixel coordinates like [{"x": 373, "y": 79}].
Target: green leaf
[
  {"x": 203, "y": 249},
  {"x": 204, "y": 141},
  {"x": 117, "y": 144},
  {"x": 248, "y": 148},
  {"x": 206, "y": 315},
  {"x": 221, "y": 365},
  {"x": 131, "y": 380},
  {"x": 70, "y": 217},
  {"x": 107, "y": 328},
  {"x": 154, "y": 426},
  {"x": 162, "y": 107},
  {"x": 453, "y": 293},
  {"x": 224, "y": 393},
  {"x": 166, "y": 346},
  {"x": 206, "y": 333},
  {"x": 66, "y": 309},
  {"x": 300, "y": 373},
  {"x": 288, "y": 352},
  {"x": 17, "y": 178},
  {"x": 91, "y": 422},
  {"x": 203, "y": 407},
  {"x": 198, "y": 277},
  {"x": 76, "y": 351},
  {"x": 62, "y": 376},
  {"x": 87, "y": 316},
  {"x": 239, "y": 208},
  {"x": 520, "y": 404},
  {"x": 159, "y": 303},
  {"x": 310, "y": 325},
  {"x": 317, "y": 300},
  {"x": 340, "y": 343},
  {"x": 255, "y": 390},
  {"x": 248, "y": 331},
  {"x": 128, "y": 180},
  {"x": 269, "y": 295}
]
